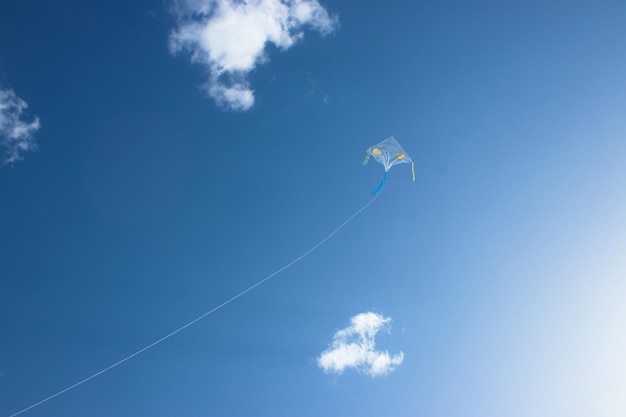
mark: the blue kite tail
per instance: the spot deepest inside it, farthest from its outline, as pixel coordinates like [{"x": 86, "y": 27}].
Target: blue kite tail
[{"x": 381, "y": 185}]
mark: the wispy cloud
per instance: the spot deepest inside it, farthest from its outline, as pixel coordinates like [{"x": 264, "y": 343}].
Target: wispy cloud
[
  {"x": 228, "y": 37},
  {"x": 16, "y": 135},
  {"x": 354, "y": 347}
]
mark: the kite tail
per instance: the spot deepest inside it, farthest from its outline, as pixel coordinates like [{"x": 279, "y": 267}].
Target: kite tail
[
  {"x": 367, "y": 158},
  {"x": 413, "y": 169},
  {"x": 381, "y": 185}
]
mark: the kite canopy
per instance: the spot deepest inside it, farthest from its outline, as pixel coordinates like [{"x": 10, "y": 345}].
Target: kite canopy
[{"x": 388, "y": 153}]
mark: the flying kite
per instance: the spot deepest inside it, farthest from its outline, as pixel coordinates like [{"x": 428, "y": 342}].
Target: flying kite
[{"x": 388, "y": 153}]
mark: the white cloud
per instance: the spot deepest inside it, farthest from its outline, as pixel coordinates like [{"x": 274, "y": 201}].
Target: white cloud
[
  {"x": 237, "y": 97},
  {"x": 354, "y": 347},
  {"x": 228, "y": 37},
  {"x": 16, "y": 135}
]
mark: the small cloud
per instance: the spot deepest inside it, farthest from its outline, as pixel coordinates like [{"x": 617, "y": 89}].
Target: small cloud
[
  {"x": 228, "y": 37},
  {"x": 237, "y": 97},
  {"x": 354, "y": 347},
  {"x": 16, "y": 135}
]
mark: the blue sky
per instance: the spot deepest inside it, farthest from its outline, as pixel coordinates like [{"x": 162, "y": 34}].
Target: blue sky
[{"x": 155, "y": 173}]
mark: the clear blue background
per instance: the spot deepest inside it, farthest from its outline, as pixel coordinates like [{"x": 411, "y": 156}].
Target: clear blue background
[{"x": 502, "y": 266}]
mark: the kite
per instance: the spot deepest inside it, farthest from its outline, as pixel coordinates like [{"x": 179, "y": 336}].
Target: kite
[{"x": 388, "y": 153}]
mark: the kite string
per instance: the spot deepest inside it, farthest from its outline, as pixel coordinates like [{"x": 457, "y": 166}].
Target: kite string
[{"x": 214, "y": 309}]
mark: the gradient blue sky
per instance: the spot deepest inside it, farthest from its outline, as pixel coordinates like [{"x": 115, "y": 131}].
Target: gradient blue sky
[{"x": 502, "y": 267}]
